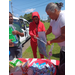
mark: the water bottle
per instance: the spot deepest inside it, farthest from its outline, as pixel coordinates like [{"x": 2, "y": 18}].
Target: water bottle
[
  {"x": 9, "y": 52},
  {"x": 50, "y": 52}
]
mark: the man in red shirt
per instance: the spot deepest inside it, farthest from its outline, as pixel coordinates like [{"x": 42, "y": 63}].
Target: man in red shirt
[{"x": 35, "y": 27}]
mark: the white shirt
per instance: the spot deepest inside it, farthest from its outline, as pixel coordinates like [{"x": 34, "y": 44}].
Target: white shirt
[{"x": 57, "y": 25}]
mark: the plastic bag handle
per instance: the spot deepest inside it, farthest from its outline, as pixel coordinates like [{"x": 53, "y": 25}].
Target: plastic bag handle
[{"x": 41, "y": 40}]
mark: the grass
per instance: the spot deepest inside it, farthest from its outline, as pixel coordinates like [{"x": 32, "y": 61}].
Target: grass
[{"x": 56, "y": 50}]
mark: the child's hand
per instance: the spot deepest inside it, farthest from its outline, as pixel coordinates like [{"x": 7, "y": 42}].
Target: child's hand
[{"x": 35, "y": 36}]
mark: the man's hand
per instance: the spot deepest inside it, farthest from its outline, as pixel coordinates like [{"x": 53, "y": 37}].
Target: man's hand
[
  {"x": 15, "y": 32},
  {"x": 11, "y": 44},
  {"x": 10, "y": 41}
]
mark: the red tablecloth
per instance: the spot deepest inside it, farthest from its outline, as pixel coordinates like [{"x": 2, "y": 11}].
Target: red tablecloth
[{"x": 31, "y": 60}]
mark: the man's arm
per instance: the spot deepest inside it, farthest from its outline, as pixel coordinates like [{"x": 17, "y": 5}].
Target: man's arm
[
  {"x": 17, "y": 33},
  {"x": 21, "y": 34}
]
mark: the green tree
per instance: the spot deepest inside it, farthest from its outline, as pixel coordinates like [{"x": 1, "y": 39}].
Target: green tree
[
  {"x": 42, "y": 21},
  {"x": 27, "y": 17},
  {"x": 21, "y": 16}
]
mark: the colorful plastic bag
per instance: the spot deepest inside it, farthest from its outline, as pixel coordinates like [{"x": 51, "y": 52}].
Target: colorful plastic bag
[{"x": 42, "y": 47}]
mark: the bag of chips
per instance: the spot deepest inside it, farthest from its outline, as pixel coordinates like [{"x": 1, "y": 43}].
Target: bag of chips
[{"x": 14, "y": 63}]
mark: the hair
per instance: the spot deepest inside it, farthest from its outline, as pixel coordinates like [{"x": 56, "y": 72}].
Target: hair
[
  {"x": 53, "y": 6},
  {"x": 10, "y": 13},
  {"x": 34, "y": 16}
]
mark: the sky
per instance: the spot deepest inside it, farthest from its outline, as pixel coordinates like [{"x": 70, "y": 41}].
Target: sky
[{"x": 20, "y": 7}]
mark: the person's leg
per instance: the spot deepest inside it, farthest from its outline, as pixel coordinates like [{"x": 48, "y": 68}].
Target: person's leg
[
  {"x": 12, "y": 53},
  {"x": 41, "y": 55},
  {"x": 62, "y": 62},
  {"x": 34, "y": 49},
  {"x": 57, "y": 72},
  {"x": 18, "y": 51},
  {"x": 62, "y": 57},
  {"x": 62, "y": 69}
]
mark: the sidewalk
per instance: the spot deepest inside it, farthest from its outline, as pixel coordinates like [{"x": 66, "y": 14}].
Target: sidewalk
[{"x": 26, "y": 45}]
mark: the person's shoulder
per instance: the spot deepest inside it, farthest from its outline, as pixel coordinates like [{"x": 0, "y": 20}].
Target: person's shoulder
[
  {"x": 62, "y": 13},
  {"x": 62, "y": 19}
]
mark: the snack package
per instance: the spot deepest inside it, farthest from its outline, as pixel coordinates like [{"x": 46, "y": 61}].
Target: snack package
[
  {"x": 24, "y": 68},
  {"x": 11, "y": 36},
  {"x": 18, "y": 66},
  {"x": 41, "y": 69},
  {"x": 49, "y": 50},
  {"x": 14, "y": 64}
]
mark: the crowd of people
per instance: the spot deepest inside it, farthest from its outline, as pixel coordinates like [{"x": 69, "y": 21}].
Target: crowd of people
[{"x": 57, "y": 27}]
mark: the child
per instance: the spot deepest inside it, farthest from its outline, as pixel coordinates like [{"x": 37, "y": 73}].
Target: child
[{"x": 35, "y": 27}]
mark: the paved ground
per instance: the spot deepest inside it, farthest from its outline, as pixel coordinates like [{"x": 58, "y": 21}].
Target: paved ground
[{"x": 26, "y": 45}]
